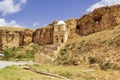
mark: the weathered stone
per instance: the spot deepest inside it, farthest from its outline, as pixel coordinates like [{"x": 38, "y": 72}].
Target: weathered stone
[
  {"x": 43, "y": 36},
  {"x": 71, "y": 27},
  {"x": 71, "y": 24},
  {"x": 100, "y": 19},
  {"x": 9, "y": 39},
  {"x": 27, "y": 36}
]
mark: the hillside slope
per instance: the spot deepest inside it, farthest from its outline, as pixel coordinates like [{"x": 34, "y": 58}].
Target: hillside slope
[{"x": 100, "y": 49}]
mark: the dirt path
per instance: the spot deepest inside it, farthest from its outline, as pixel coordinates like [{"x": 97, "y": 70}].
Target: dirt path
[{"x": 4, "y": 64}]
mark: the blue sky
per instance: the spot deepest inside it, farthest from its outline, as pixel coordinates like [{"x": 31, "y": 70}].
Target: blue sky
[{"x": 37, "y": 13}]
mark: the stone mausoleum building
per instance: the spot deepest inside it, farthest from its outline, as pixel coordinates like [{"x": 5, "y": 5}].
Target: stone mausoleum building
[{"x": 60, "y": 34}]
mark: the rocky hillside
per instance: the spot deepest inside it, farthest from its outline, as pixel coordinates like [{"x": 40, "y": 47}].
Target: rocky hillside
[
  {"x": 98, "y": 20},
  {"x": 100, "y": 49}
]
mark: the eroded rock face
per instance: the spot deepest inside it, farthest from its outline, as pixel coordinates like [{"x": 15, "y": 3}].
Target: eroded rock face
[
  {"x": 27, "y": 36},
  {"x": 44, "y": 36},
  {"x": 100, "y": 19},
  {"x": 71, "y": 24},
  {"x": 9, "y": 39},
  {"x": 14, "y": 38}
]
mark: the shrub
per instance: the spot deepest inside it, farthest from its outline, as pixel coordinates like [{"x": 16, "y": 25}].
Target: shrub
[
  {"x": 70, "y": 46},
  {"x": 20, "y": 56},
  {"x": 8, "y": 53},
  {"x": 109, "y": 65},
  {"x": 15, "y": 53},
  {"x": 63, "y": 51},
  {"x": 105, "y": 65},
  {"x": 92, "y": 60},
  {"x": 115, "y": 66}
]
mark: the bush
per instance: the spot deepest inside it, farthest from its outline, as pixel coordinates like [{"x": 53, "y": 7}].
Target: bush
[
  {"x": 105, "y": 65},
  {"x": 20, "y": 56},
  {"x": 63, "y": 51},
  {"x": 109, "y": 65},
  {"x": 92, "y": 60},
  {"x": 70, "y": 46},
  {"x": 115, "y": 66},
  {"x": 8, "y": 53},
  {"x": 13, "y": 54}
]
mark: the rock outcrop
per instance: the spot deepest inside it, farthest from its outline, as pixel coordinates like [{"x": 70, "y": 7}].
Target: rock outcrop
[
  {"x": 27, "y": 36},
  {"x": 44, "y": 36},
  {"x": 12, "y": 38},
  {"x": 9, "y": 39},
  {"x": 47, "y": 53},
  {"x": 71, "y": 26},
  {"x": 100, "y": 19}
]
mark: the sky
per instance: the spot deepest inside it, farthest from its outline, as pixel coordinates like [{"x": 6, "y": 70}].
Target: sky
[{"x": 38, "y": 13}]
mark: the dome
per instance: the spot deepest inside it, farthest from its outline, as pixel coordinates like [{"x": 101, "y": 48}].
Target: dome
[{"x": 60, "y": 22}]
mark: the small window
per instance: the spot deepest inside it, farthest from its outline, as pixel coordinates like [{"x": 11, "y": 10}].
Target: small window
[{"x": 62, "y": 41}]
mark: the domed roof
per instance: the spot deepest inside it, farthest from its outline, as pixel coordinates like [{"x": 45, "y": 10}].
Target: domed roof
[{"x": 60, "y": 22}]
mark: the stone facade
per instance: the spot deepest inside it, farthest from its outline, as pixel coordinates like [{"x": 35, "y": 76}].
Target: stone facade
[{"x": 60, "y": 33}]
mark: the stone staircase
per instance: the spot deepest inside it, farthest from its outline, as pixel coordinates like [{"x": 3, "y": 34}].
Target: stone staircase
[{"x": 47, "y": 53}]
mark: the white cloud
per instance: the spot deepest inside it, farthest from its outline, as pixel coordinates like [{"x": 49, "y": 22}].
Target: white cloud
[
  {"x": 13, "y": 23},
  {"x": 36, "y": 24},
  {"x": 10, "y": 7},
  {"x": 103, "y": 3}
]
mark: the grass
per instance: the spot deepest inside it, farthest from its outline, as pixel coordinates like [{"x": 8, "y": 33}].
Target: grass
[
  {"x": 15, "y": 73},
  {"x": 21, "y": 53},
  {"x": 81, "y": 72}
]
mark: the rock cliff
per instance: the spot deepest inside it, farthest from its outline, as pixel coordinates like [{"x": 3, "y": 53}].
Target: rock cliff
[
  {"x": 27, "y": 36},
  {"x": 98, "y": 20},
  {"x": 44, "y": 36},
  {"x": 9, "y": 39}
]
